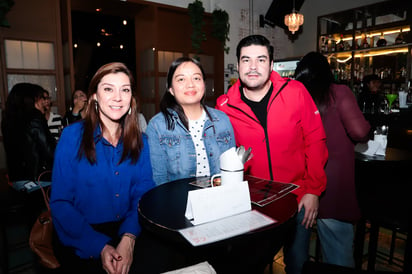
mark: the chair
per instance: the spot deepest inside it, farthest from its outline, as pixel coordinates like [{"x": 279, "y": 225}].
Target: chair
[
  {"x": 18, "y": 214},
  {"x": 383, "y": 196},
  {"x": 12, "y": 211}
]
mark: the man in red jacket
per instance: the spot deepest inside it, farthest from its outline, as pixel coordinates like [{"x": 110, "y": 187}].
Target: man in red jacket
[{"x": 278, "y": 119}]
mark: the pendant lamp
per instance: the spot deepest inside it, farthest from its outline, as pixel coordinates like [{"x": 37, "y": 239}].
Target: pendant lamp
[{"x": 293, "y": 20}]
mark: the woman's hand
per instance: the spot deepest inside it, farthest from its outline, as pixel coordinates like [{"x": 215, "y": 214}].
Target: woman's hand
[
  {"x": 125, "y": 249},
  {"x": 110, "y": 258},
  {"x": 311, "y": 204},
  {"x": 78, "y": 106}
]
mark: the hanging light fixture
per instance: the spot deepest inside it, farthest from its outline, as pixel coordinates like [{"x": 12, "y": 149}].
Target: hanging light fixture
[{"x": 293, "y": 20}]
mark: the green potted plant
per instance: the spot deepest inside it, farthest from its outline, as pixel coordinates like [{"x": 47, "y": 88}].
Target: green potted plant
[
  {"x": 196, "y": 12},
  {"x": 221, "y": 27},
  {"x": 5, "y": 6}
]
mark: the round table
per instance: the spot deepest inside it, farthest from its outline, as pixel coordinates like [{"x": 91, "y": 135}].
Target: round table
[
  {"x": 162, "y": 214},
  {"x": 382, "y": 186}
]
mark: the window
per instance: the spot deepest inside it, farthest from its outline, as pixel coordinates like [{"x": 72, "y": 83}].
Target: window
[{"x": 31, "y": 61}]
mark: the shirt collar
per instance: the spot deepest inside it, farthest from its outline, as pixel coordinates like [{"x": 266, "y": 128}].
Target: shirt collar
[{"x": 98, "y": 136}]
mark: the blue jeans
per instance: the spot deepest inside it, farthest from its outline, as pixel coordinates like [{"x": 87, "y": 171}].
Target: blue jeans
[
  {"x": 296, "y": 248},
  {"x": 336, "y": 240}
]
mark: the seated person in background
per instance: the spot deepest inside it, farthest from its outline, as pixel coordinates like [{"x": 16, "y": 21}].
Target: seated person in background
[
  {"x": 142, "y": 122},
  {"x": 28, "y": 142},
  {"x": 101, "y": 170},
  {"x": 370, "y": 97},
  {"x": 75, "y": 112},
  {"x": 187, "y": 138},
  {"x": 54, "y": 120}
]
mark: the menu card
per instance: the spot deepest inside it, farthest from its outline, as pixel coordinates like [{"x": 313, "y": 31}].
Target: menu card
[
  {"x": 263, "y": 192},
  {"x": 209, "y": 204},
  {"x": 225, "y": 228}
]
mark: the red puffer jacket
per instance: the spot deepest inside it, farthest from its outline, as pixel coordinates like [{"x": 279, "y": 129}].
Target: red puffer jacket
[{"x": 293, "y": 148}]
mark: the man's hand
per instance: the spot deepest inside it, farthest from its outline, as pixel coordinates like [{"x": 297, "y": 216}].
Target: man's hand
[{"x": 311, "y": 204}]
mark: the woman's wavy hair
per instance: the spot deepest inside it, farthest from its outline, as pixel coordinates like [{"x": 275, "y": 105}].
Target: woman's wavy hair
[
  {"x": 168, "y": 101},
  {"x": 130, "y": 130}
]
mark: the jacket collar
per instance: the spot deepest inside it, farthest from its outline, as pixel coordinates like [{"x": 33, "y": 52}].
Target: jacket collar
[
  {"x": 209, "y": 114},
  {"x": 234, "y": 91}
]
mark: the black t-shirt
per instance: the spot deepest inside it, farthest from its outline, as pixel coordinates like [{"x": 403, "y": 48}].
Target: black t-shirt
[{"x": 258, "y": 108}]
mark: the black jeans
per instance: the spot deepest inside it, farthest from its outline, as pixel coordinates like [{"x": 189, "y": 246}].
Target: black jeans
[{"x": 73, "y": 264}]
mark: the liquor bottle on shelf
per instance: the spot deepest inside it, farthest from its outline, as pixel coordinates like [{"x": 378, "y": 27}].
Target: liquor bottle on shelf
[
  {"x": 356, "y": 44},
  {"x": 321, "y": 44},
  {"x": 381, "y": 42},
  {"x": 399, "y": 39},
  {"x": 332, "y": 44},
  {"x": 341, "y": 44},
  {"x": 346, "y": 45},
  {"x": 364, "y": 43}
]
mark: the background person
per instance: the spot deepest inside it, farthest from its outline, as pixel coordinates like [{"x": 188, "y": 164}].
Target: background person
[
  {"x": 370, "y": 98},
  {"x": 76, "y": 111},
  {"x": 54, "y": 120},
  {"x": 278, "y": 119},
  {"x": 187, "y": 137},
  {"x": 27, "y": 140},
  {"x": 344, "y": 125},
  {"x": 142, "y": 122},
  {"x": 101, "y": 170}
]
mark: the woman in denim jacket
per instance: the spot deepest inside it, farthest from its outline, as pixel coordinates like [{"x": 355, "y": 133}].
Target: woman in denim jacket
[{"x": 187, "y": 138}]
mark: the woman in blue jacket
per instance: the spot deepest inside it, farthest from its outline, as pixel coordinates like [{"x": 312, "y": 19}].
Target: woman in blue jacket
[
  {"x": 101, "y": 170},
  {"x": 187, "y": 138}
]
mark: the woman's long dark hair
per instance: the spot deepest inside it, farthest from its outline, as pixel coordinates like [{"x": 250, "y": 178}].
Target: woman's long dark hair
[
  {"x": 131, "y": 133},
  {"x": 168, "y": 101},
  {"x": 315, "y": 74},
  {"x": 22, "y": 98}
]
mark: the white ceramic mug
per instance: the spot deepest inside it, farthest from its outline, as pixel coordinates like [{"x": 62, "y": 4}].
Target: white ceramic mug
[{"x": 228, "y": 176}]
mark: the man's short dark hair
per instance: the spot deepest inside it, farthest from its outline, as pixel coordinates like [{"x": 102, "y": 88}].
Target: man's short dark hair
[
  {"x": 368, "y": 78},
  {"x": 256, "y": 39}
]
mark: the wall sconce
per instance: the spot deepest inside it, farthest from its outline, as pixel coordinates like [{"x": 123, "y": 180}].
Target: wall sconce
[{"x": 294, "y": 20}]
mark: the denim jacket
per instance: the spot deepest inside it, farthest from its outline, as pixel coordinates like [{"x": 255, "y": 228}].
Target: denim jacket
[{"x": 172, "y": 152}]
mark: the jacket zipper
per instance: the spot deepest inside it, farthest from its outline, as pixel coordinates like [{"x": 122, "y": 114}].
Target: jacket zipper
[{"x": 266, "y": 132}]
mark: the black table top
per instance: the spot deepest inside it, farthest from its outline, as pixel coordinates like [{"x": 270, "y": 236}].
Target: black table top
[{"x": 162, "y": 209}]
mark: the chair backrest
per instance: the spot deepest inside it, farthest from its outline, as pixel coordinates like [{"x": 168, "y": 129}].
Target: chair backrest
[
  {"x": 400, "y": 132},
  {"x": 383, "y": 191}
]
